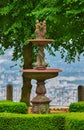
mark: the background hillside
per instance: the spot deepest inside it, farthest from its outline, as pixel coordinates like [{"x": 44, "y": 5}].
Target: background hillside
[{"x": 70, "y": 78}]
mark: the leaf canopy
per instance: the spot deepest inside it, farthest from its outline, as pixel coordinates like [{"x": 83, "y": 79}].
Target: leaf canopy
[{"x": 65, "y": 24}]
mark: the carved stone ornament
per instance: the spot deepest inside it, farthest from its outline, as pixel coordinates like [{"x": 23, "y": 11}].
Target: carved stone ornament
[{"x": 40, "y": 29}]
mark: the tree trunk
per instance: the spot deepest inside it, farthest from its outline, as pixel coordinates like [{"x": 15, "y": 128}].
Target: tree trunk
[{"x": 26, "y": 88}]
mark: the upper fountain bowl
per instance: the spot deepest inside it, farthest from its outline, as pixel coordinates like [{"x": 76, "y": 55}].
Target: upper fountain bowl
[
  {"x": 41, "y": 74},
  {"x": 41, "y": 42}
]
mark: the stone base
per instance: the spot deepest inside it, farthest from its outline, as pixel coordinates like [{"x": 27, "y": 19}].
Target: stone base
[
  {"x": 40, "y": 108},
  {"x": 40, "y": 104}
]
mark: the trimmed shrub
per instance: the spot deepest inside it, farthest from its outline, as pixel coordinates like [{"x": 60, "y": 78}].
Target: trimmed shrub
[
  {"x": 67, "y": 121},
  {"x": 13, "y": 107},
  {"x": 9, "y": 121},
  {"x": 74, "y": 121},
  {"x": 77, "y": 107}
]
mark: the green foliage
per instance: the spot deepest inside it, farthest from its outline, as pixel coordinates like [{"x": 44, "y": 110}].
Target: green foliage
[
  {"x": 68, "y": 121},
  {"x": 15, "y": 28},
  {"x": 13, "y": 107},
  {"x": 76, "y": 107},
  {"x": 31, "y": 122},
  {"x": 65, "y": 24},
  {"x": 74, "y": 121},
  {"x": 6, "y": 10}
]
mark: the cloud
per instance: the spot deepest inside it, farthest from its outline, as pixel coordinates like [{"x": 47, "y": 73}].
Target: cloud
[
  {"x": 70, "y": 78},
  {"x": 7, "y": 56},
  {"x": 3, "y": 60},
  {"x": 9, "y": 52}
]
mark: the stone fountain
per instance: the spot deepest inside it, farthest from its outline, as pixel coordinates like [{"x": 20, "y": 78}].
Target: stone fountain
[{"x": 41, "y": 72}]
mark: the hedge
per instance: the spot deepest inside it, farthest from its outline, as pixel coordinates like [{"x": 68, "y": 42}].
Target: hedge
[
  {"x": 9, "y": 121},
  {"x": 74, "y": 121},
  {"x": 13, "y": 107},
  {"x": 66, "y": 121},
  {"x": 77, "y": 107}
]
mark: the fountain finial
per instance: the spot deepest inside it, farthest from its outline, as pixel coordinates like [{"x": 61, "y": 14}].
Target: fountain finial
[{"x": 40, "y": 29}]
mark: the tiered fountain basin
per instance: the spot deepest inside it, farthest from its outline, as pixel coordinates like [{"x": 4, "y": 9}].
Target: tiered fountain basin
[
  {"x": 41, "y": 74},
  {"x": 40, "y": 103},
  {"x": 41, "y": 42}
]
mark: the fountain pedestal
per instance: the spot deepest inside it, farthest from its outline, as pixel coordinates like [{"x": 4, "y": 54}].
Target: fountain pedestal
[{"x": 40, "y": 103}]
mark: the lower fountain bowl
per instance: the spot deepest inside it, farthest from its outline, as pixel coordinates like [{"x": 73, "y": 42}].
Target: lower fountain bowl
[{"x": 41, "y": 74}]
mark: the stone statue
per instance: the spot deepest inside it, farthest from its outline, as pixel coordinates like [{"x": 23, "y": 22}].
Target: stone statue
[
  {"x": 40, "y": 29},
  {"x": 40, "y": 59},
  {"x": 40, "y": 34}
]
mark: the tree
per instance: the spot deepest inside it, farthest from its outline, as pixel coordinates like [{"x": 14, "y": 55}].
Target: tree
[
  {"x": 15, "y": 30},
  {"x": 65, "y": 24},
  {"x": 65, "y": 20}
]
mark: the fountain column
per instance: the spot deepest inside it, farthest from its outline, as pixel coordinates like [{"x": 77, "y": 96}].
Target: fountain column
[
  {"x": 40, "y": 103},
  {"x": 40, "y": 63}
]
